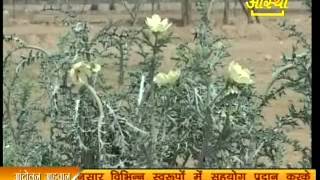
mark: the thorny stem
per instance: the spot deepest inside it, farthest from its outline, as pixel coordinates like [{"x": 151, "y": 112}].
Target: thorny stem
[
  {"x": 121, "y": 75},
  {"x": 141, "y": 89},
  {"x": 76, "y": 109},
  {"x": 101, "y": 115},
  {"x": 206, "y": 130},
  {"x": 25, "y": 47},
  {"x": 210, "y": 8},
  {"x": 207, "y": 127},
  {"x": 152, "y": 69},
  {"x": 309, "y": 75},
  {"x": 151, "y": 93},
  {"x": 123, "y": 57},
  {"x": 116, "y": 119},
  {"x": 7, "y": 104},
  {"x": 8, "y": 109},
  {"x": 87, "y": 48},
  {"x": 153, "y": 135},
  {"x": 134, "y": 11},
  {"x": 153, "y": 62},
  {"x": 274, "y": 79},
  {"x": 186, "y": 160},
  {"x": 36, "y": 48}
]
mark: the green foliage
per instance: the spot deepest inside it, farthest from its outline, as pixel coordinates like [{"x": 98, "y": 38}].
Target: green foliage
[
  {"x": 308, "y": 3},
  {"x": 203, "y": 116}
]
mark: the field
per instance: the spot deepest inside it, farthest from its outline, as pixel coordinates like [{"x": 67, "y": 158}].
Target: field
[{"x": 256, "y": 46}]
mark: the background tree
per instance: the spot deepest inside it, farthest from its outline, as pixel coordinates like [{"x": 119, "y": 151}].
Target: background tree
[
  {"x": 309, "y": 4},
  {"x": 95, "y": 5},
  {"x": 153, "y": 4},
  {"x": 25, "y": 4},
  {"x": 158, "y": 5},
  {"x": 186, "y": 8},
  {"x": 68, "y": 4},
  {"x": 134, "y": 11},
  {"x": 13, "y": 3},
  {"x": 244, "y": 10},
  {"x": 226, "y": 12},
  {"x": 112, "y": 5}
]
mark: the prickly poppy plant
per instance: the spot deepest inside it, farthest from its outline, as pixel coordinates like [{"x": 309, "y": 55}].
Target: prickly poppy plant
[{"x": 157, "y": 119}]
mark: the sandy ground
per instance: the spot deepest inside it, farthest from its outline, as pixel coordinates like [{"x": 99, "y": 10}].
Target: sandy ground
[{"x": 256, "y": 46}]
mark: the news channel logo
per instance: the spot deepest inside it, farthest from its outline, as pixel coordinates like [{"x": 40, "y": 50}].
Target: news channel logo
[{"x": 267, "y": 8}]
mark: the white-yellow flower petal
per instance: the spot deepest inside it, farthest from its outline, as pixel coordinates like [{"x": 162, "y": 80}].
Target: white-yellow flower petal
[
  {"x": 95, "y": 67},
  {"x": 156, "y": 25},
  {"x": 80, "y": 72},
  {"x": 164, "y": 22},
  {"x": 173, "y": 76},
  {"x": 156, "y": 18},
  {"x": 162, "y": 79},
  {"x": 238, "y": 74}
]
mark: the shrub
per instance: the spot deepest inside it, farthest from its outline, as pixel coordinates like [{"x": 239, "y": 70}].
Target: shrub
[{"x": 191, "y": 112}]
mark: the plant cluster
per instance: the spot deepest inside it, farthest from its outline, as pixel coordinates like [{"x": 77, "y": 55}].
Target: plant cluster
[{"x": 157, "y": 120}]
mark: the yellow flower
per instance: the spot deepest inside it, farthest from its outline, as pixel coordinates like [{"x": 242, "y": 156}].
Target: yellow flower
[
  {"x": 162, "y": 79},
  {"x": 79, "y": 27},
  {"x": 79, "y": 73},
  {"x": 95, "y": 67},
  {"x": 238, "y": 74},
  {"x": 156, "y": 25},
  {"x": 173, "y": 76}
]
